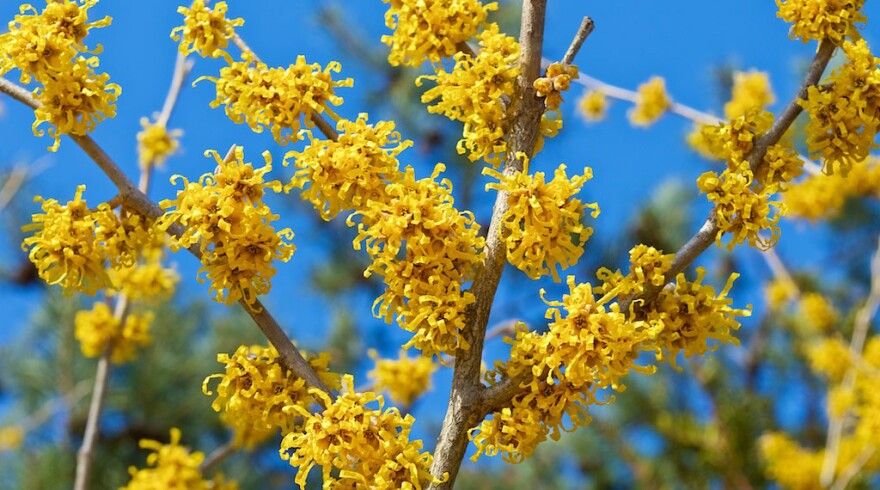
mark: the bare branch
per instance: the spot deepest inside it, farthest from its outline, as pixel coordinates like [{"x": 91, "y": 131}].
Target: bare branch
[
  {"x": 861, "y": 326},
  {"x": 86, "y": 452},
  {"x": 464, "y": 410},
  {"x": 584, "y": 30},
  {"x": 217, "y": 456},
  {"x": 791, "y": 112}
]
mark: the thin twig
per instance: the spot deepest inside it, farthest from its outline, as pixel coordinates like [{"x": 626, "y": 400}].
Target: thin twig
[
  {"x": 289, "y": 356},
  {"x": 85, "y": 454},
  {"x": 465, "y": 399},
  {"x": 586, "y": 27},
  {"x": 217, "y": 456},
  {"x": 854, "y": 468},
  {"x": 182, "y": 68},
  {"x": 861, "y": 326},
  {"x": 793, "y": 110}
]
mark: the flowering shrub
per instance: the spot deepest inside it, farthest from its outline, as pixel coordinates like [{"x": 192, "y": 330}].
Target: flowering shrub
[{"x": 438, "y": 265}]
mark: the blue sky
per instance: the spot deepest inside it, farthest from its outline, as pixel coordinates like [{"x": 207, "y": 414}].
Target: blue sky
[{"x": 684, "y": 41}]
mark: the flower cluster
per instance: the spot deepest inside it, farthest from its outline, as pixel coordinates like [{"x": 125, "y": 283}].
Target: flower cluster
[
  {"x": 43, "y": 44},
  {"x": 818, "y": 312},
  {"x": 476, "y": 92},
  {"x": 692, "y": 314},
  {"x": 11, "y": 437},
  {"x": 404, "y": 379},
  {"x": 225, "y": 216},
  {"x": 834, "y": 20},
  {"x": 648, "y": 268},
  {"x": 344, "y": 174},
  {"x": 97, "y": 329},
  {"x": 156, "y": 143},
  {"x": 543, "y": 227},
  {"x": 790, "y": 465},
  {"x": 276, "y": 98},
  {"x": 254, "y": 390},
  {"x": 431, "y": 30},
  {"x": 779, "y": 292},
  {"x": 591, "y": 344},
  {"x": 845, "y": 113},
  {"x": 593, "y": 105},
  {"x": 71, "y": 244},
  {"x": 369, "y": 447},
  {"x": 425, "y": 249},
  {"x": 556, "y": 80},
  {"x": 173, "y": 466},
  {"x": 742, "y": 210},
  {"x": 742, "y": 195},
  {"x": 48, "y": 47},
  {"x": 751, "y": 92},
  {"x": 205, "y": 31},
  {"x": 823, "y": 196},
  {"x": 651, "y": 103},
  {"x": 146, "y": 281}
]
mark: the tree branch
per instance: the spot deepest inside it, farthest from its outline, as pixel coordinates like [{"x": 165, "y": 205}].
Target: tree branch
[
  {"x": 289, "y": 356},
  {"x": 500, "y": 394},
  {"x": 86, "y": 452},
  {"x": 464, "y": 410},
  {"x": 584, "y": 30},
  {"x": 861, "y": 326},
  {"x": 791, "y": 112}
]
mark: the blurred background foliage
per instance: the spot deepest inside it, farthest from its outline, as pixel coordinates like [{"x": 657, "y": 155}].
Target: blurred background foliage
[{"x": 691, "y": 428}]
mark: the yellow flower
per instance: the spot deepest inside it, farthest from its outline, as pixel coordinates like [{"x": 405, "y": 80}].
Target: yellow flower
[
  {"x": 224, "y": 215},
  {"x": 740, "y": 209},
  {"x": 823, "y": 196},
  {"x": 173, "y": 466},
  {"x": 276, "y": 98},
  {"x": 751, "y": 91},
  {"x": 652, "y": 102},
  {"x": 345, "y": 174},
  {"x": 145, "y": 281},
  {"x": 43, "y": 45},
  {"x": 834, "y": 20},
  {"x": 543, "y": 226},
  {"x": 64, "y": 247},
  {"x": 11, "y": 437},
  {"x": 790, "y": 465},
  {"x": 98, "y": 328},
  {"x": 404, "y": 379},
  {"x": 779, "y": 292},
  {"x": 254, "y": 389},
  {"x": 845, "y": 113},
  {"x": 593, "y": 105},
  {"x": 205, "y": 31},
  {"x": 368, "y": 446},
  {"x": 156, "y": 143},
  {"x": 648, "y": 267},
  {"x": 474, "y": 93},
  {"x": 829, "y": 357},
  {"x": 431, "y": 30},
  {"x": 556, "y": 80},
  {"x": 75, "y": 100},
  {"x": 818, "y": 312},
  {"x": 692, "y": 314},
  {"x": 425, "y": 249}
]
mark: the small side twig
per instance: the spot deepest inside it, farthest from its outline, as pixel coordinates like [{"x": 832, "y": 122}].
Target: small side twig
[
  {"x": 586, "y": 27},
  {"x": 217, "y": 456},
  {"x": 861, "y": 326},
  {"x": 85, "y": 454}
]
